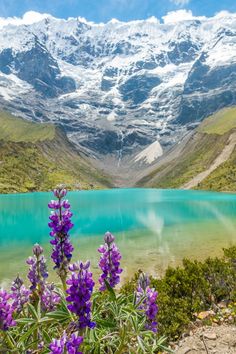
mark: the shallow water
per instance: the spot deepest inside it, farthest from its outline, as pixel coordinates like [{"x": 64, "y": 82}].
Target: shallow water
[{"x": 154, "y": 228}]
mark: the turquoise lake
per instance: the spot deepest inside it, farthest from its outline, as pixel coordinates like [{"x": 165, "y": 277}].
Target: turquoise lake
[{"x": 153, "y": 228}]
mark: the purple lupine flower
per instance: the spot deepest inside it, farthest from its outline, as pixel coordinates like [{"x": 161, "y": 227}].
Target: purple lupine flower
[
  {"x": 109, "y": 262},
  {"x": 60, "y": 224},
  {"x": 79, "y": 293},
  {"x": 58, "y": 345},
  {"x": 146, "y": 298},
  {"x": 73, "y": 344},
  {"x": 20, "y": 294},
  {"x": 49, "y": 298},
  {"x": 38, "y": 269},
  {"x": 70, "y": 344},
  {"x": 6, "y": 311}
]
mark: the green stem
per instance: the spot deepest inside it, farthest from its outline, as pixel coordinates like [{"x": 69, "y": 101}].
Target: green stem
[{"x": 63, "y": 280}]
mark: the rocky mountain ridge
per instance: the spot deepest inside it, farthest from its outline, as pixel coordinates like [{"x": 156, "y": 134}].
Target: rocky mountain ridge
[{"x": 118, "y": 88}]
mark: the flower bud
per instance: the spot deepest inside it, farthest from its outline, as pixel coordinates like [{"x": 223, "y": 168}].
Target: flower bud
[
  {"x": 143, "y": 281},
  {"x": 17, "y": 283},
  {"x": 60, "y": 192},
  {"x": 37, "y": 250},
  {"x": 109, "y": 238}
]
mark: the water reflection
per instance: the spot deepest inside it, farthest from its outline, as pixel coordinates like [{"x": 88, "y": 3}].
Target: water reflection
[{"x": 154, "y": 228}]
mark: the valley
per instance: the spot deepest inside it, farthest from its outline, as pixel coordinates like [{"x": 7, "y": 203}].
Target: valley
[{"x": 37, "y": 156}]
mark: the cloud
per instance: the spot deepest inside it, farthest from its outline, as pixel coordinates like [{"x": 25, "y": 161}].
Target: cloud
[
  {"x": 180, "y": 2},
  {"x": 225, "y": 13},
  {"x": 181, "y": 15},
  {"x": 27, "y": 19},
  {"x": 171, "y": 17}
]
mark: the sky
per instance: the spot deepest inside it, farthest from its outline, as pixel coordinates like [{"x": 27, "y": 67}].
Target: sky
[{"x": 123, "y": 10}]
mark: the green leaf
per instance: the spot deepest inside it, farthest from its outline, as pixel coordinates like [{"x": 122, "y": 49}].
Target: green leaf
[
  {"x": 106, "y": 323},
  {"x": 59, "y": 315},
  {"x": 33, "y": 311},
  {"x": 45, "y": 319},
  {"x": 141, "y": 344},
  {"x": 46, "y": 336},
  {"x": 25, "y": 320},
  {"x": 39, "y": 310},
  {"x": 28, "y": 333}
]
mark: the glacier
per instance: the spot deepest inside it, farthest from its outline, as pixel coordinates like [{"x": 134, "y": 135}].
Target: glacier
[{"x": 128, "y": 90}]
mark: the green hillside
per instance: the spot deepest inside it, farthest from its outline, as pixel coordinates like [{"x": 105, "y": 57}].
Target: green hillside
[
  {"x": 223, "y": 178},
  {"x": 197, "y": 155},
  {"x": 36, "y": 156},
  {"x": 20, "y": 130},
  {"x": 220, "y": 122}
]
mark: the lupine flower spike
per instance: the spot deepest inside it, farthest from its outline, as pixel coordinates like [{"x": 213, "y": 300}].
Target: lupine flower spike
[
  {"x": 49, "y": 299},
  {"x": 6, "y": 311},
  {"x": 109, "y": 262},
  {"x": 38, "y": 269},
  {"x": 147, "y": 298},
  {"x": 20, "y": 294},
  {"x": 79, "y": 293},
  {"x": 60, "y": 224}
]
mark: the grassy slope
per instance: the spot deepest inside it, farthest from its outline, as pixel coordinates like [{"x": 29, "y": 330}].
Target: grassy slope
[
  {"x": 219, "y": 123},
  {"x": 18, "y": 130},
  {"x": 38, "y": 156},
  {"x": 223, "y": 178},
  {"x": 198, "y": 154}
]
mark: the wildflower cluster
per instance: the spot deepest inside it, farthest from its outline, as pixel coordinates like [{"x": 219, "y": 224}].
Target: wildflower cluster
[
  {"x": 72, "y": 319},
  {"x": 109, "y": 262},
  {"x": 60, "y": 224}
]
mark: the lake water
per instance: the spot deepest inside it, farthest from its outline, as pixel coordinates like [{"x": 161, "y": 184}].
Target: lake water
[{"x": 154, "y": 228}]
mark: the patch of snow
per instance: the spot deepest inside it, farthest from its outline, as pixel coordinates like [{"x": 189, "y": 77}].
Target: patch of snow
[
  {"x": 111, "y": 117},
  {"x": 222, "y": 53},
  {"x": 151, "y": 153},
  {"x": 11, "y": 87}
]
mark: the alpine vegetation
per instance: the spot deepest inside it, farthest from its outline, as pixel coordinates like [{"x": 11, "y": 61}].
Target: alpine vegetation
[{"x": 77, "y": 315}]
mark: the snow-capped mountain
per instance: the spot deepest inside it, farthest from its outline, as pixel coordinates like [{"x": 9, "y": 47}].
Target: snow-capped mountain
[{"x": 119, "y": 87}]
